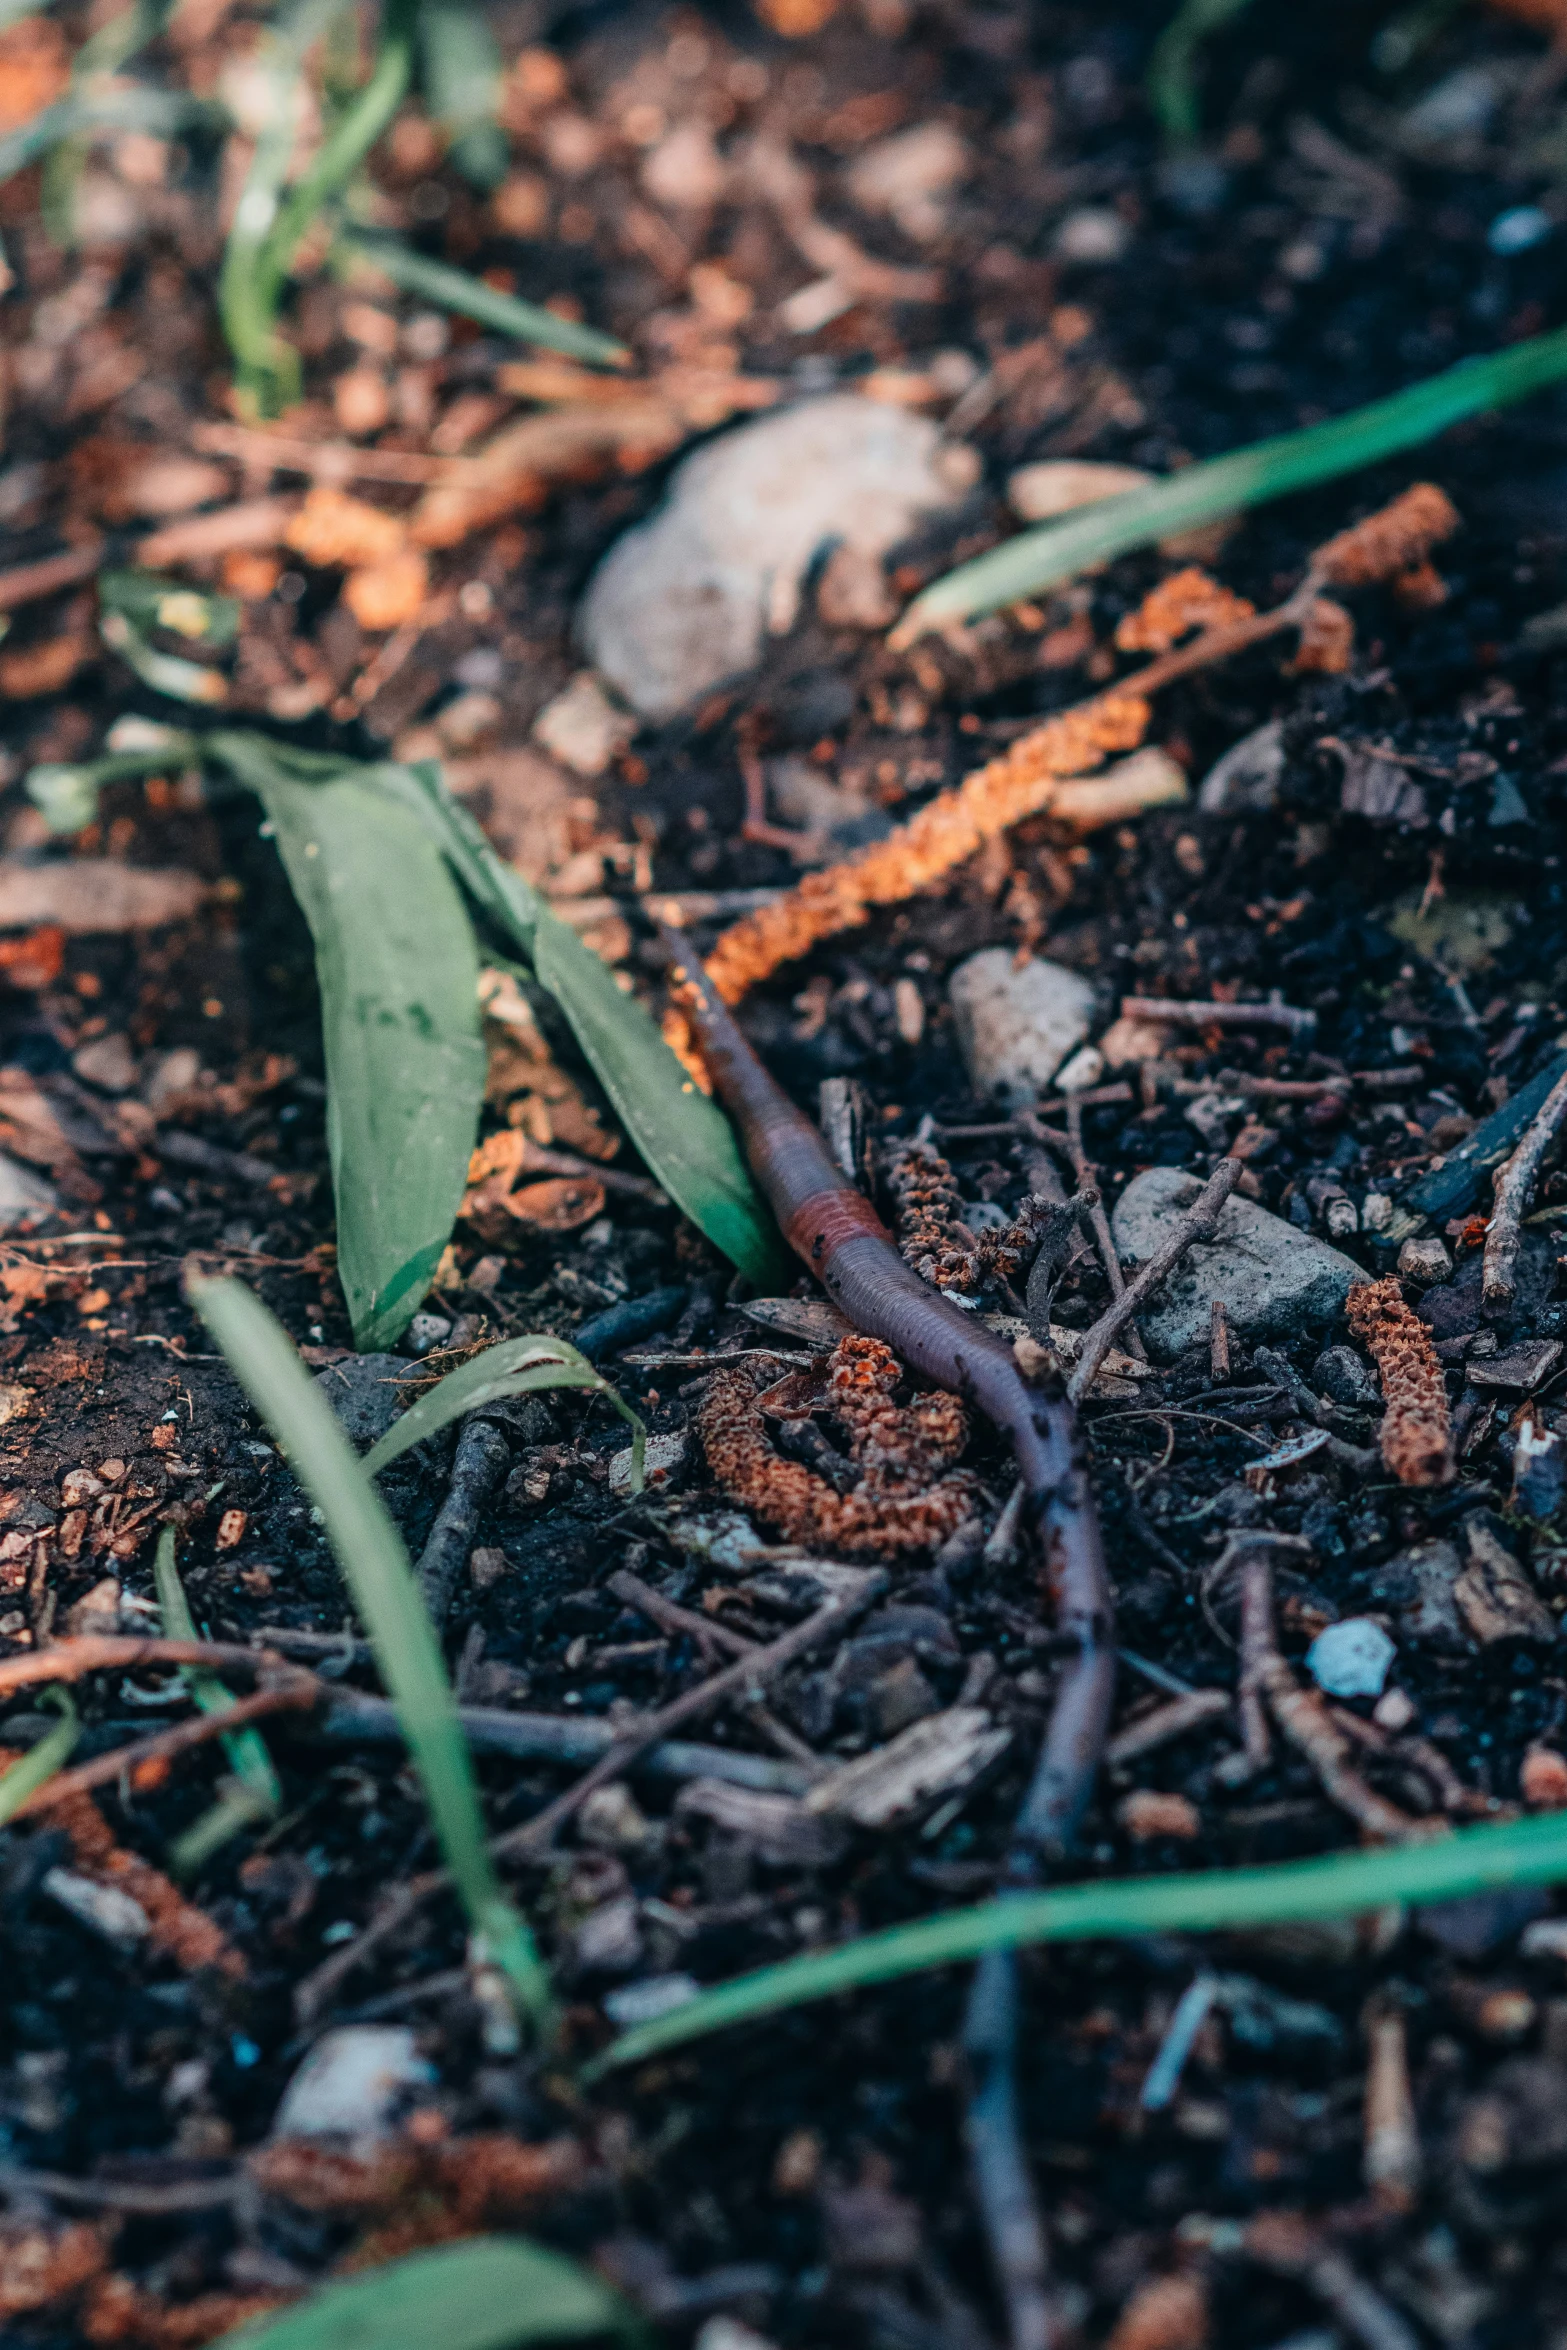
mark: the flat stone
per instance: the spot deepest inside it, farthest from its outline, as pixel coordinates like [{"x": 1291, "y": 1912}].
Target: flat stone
[
  {"x": 22, "y": 1193},
  {"x": 367, "y": 1392},
  {"x": 1418, "y": 1586},
  {"x": 87, "y": 895},
  {"x": 582, "y": 728},
  {"x": 687, "y": 598},
  {"x": 663, "y": 1458},
  {"x": 1495, "y": 1597},
  {"x": 1247, "y": 776},
  {"x": 107, "y": 1062},
  {"x": 1351, "y": 1659},
  {"x": 946, "y": 1754},
  {"x": 1518, "y": 1369},
  {"x": 1017, "y": 1025},
  {"x": 1275, "y": 1282},
  {"x": 352, "y": 2084}
]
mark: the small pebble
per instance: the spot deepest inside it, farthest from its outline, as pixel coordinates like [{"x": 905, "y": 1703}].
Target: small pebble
[
  {"x": 1515, "y": 230},
  {"x": 1376, "y": 1211},
  {"x": 663, "y": 1458},
  {"x": 1082, "y": 1072},
  {"x": 1351, "y": 1659},
  {"x": 1425, "y": 1261},
  {"x": 352, "y": 2083},
  {"x": 427, "y": 1331},
  {"x": 1394, "y": 1711},
  {"x": 1092, "y": 235},
  {"x": 645, "y": 2002}
]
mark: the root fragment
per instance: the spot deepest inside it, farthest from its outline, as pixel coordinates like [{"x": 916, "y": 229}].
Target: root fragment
[
  {"x": 1417, "y": 1438},
  {"x": 903, "y": 1501},
  {"x": 1186, "y": 600}
]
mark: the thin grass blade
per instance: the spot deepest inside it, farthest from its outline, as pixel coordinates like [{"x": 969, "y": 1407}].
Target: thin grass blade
[
  {"x": 245, "y": 1747},
  {"x": 22, "y": 1781},
  {"x": 491, "y": 2293},
  {"x": 370, "y": 1552},
  {"x": 1038, "y": 559},
  {"x": 470, "y": 297},
  {"x": 1172, "y": 75},
  {"x": 461, "y": 67},
  {"x": 518, "y": 1366},
  {"x": 1474, "y": 1860}
]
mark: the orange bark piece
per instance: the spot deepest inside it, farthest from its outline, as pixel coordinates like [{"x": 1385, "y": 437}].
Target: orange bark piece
[
  {"x": 1186, "y": 600},
  {"x": 1397, "y": 538}
]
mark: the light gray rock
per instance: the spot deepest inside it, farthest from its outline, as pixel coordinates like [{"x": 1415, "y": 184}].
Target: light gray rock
[
  {"x": 1274, "y": 1280},
  {"x": 1017, "y": 1025},
  {"x": 352, "y": 2084},
  {"x": 1418, "y": 1586},
  {"x": 107, "y": 1062},
  {"x": 1247, "y": 777},
  {"x": 22, "y": 1193},
  {"x": 367, "y": 1392},
  {"x": 1351, "y": 1659},
  {"x": 685, "y": 599}
]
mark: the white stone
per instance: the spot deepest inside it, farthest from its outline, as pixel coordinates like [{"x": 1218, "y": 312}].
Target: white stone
[
  {"x": 1093, "y": 234},
  {"x": 582, "y": 728},
  {"x": 685, "y": 599},
  {"x": 1247, "y": 777},
  {"x": 1082, "y": 1072},
  {"x": 22, "y": 1193},
  {"x": 1059, "y": 485},
  {"x": 663, "y": 1458},
  {"x": 107, "y": 1062},
  {"x": 1351, "y": 1659},
  {"x": 908, "y": 177},
  {"x": 1275, "y": 1281},
  {"x": 352, "y": 2083},
  {"x": 103, "y": 1909},
  {"x": 427, "y": 1331},
  {"x": 1016, "y": 1025}
]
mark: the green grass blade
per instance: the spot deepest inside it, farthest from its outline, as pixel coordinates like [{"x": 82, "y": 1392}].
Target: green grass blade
[
  {"x": 491, "y": 2293},
  {"x": 683, "y": 1136},
  {"x": 1172, "y": 81},
  {"x": 245, "y": 1748},
  {"x": 1474, "y": 1860},
  {"x": 461, "y": 68},
  {"x": 163, "y": 114},
  {"x": 67, "y": 796},
  {"x": 470, "y": 297},
  {"x": 370, "y": 1552},
  {"x": 399, "y": 973},
  {"x": 147, "y": 600},
  {"x": 40, "y": 1763},
  {"x": 518, "y": 1366},
  {"x": 1038, "y": 559}
]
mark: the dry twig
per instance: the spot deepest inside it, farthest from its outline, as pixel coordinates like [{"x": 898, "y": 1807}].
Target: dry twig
[
  {"x": 1512, "y": 1188},
  {"x": 1199, "y": 1223}
]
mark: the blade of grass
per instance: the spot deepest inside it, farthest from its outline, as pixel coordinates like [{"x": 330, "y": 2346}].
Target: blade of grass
[
  {"x": 460, "y": 66},
  {"x": 53, "y": 1751},
  {"x": 1172, "y": 81},
  {"x": 470, "y": 297},
  {"x": 245, "y": 1748},
  {"x": 237, "y": 1808},
  {"x": 370, "y": 1552},
  {"x": 1038, "y": 559},
  {"x": 1522, "y": 1852},
  {"x": 67, "y": 796},
  {"x": 518, "y": 1366},
  {"x": 101, "y": 55},
  {"x": 491, "y": 2293},
  {"x": 399, "y": 973},
  {"x": 128, "y": 106},
  {"x": 166, "y": 673},
  {"x": 147, "y": 600}
]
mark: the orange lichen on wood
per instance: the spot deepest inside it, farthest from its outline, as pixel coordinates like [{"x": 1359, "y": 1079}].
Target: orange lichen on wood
[
  {"x": 1398, "y": 538},
  {"x": 903, "y": 1502},
  {"x": 179, "y": 1929},
  {"x": 1186, "y": 600},
  {"x": 1022, "y": 782},
  {"x": 1416, "y": 1435}
]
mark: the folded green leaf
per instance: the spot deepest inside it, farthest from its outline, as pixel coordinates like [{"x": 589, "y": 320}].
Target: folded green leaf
[
  {"x": 491, "y": 2293},
  {"x": 148, "y": 601},
  {"x": 470, "y": 297},
  {"x": 67, "y": 796},
  {"x": 685, "y": 1139},
  {"x": 1039, "y": 559},
  {"x": 518, "y": 1366},
  {"x": 245, "y": 1748},
  {"x": 166, "y": 673},
  {"x": 370, "y": 1552},
  {"x": 40, "y": 1762},
  {"x": 1522, "y": 1852},
  {"x": 399, "y": 974}
]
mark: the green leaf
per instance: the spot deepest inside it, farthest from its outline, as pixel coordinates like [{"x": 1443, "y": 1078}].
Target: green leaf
[
  {"x": 684, "y": 1137},
  {"x": 470, "y": 297},
  {"x": 490, "y": 2293},
  {"x": 370, "y": 1552},
  {"x": 1172, "y": 80},
  {"x": 1522, "y": 1852},
  {"x": 461, "y": 67},
  {"x": 116, "y": 106},
  {"x": 166, "y": 673},
  {"x": 52, "y": 1752},
  {"x": 245, "y": 1747},
  {"x": 1039, "y": 559},
  {"x": 399, "y": 974},
  {"x": 148, "y": 601},
  {"x": 518, "y": 1366}
]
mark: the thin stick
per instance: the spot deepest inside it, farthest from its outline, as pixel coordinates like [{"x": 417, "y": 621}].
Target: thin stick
[
  {"x": 753, "y": 1670},
  {"x": 1169, "y": 1722},
  {"x": 1256, "y": 1647},
  {"x": 1193, "y": 1014},
  {"x": 710, "y": 1634},
  {"x": 99, "y": 1652},
  {"x": 1198, "y": 1223},
  {"x": 301, "y": 1689},
  {"x": 482, "y": 1459},
  {"x": 1218, "y": 1342},
  {"x": 30, "y": 582},
  {"x": 1083, "y": 1174},
  {"x": 1512, "y": 1188}
]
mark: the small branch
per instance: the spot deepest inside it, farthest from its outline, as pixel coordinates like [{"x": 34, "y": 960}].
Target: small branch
[
  {"x": 1196, "y": 1014},
  {"x": 28, "y": 583},
  {"x": 1199, "y": 1223},
  {"x": 1169, "y": 1722},
  {"x": 1512, "y": 1188},
  {"x": 483, "y": 1457},
  {"x": 100, "y": 1652},
  {"x": 164, "y": 1746},
  {"x": 710, "y": 1634}
]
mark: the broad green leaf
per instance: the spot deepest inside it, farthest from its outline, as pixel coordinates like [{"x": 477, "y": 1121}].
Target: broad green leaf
[
  {"x": 518, "y": 1366},
  {"x": 53, "y": 1751},
  {"x": 1445, "y": 1868},
  {"x": 370, "y": 1552},
  {"x": 245, "y": 1747},
  {"x": 399, "y": 974},
  {"x": 470, "y": 297},
  {"x": 683, "y": 1136},
  {"x": 491, "y": 2293},
  {"x": 1039, "y": 559}
]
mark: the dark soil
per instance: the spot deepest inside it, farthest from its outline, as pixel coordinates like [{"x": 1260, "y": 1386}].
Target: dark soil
[{"x": 807, "y": 2177}]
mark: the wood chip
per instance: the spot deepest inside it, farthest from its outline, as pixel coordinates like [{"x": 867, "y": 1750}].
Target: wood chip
[{"x": 944, "y": 1755}]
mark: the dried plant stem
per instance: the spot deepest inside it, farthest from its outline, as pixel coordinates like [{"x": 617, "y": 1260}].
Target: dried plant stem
[
  {"x": 1168, "y": 1723},
  {"x": 1512, "y": 1188},
  {"x": 482, "y": 1459},
  {"x": 1199, "y": 1223},
  {"x": 98, "y": 1652},
  {"x": 1215, "y": 1015},
  {"x": 165, "y": 1746},
  {"x": 1392, "y": 2159}
]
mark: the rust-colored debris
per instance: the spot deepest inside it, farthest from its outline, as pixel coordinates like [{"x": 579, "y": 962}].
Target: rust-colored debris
[
  {"x": 43, "y": 2262},
  {"x": 1022, "y": 782},
  {"x": 904, "y": 1500},
  {"x": 119, "y": 2312},
  {"x": 1186, "y": 600},
  {"x": 932, "y": 1236},
  {"x": 1417, "y": 1440},
  {"x": 1397, "y": 539}
]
